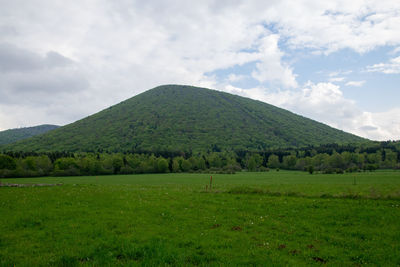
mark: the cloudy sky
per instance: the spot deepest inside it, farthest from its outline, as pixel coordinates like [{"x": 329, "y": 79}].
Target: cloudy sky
[{"x": 337, "y": 62}]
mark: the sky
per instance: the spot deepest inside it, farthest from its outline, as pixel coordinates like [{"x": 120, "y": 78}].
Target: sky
[{"x": 337, "y": 62}]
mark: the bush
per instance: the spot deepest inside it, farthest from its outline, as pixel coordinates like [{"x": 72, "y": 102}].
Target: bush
[
  {"x": 127, "y": 170},
  {"x": 339, "y": 171},
  {"x": 310, "y": 169},
  {"x": 231, "y": 169},
  {"x": 371, "y": 167},
  {"x": 71, "y": 171},
  {"x": 352, "y": 169},
  {"x": 162, "y": 165},
  {"x": 264, "y": 169},
  {"x": 328, "y": 171}
]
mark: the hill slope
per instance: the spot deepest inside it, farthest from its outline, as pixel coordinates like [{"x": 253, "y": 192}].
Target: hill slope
[
  {"x": 175, "y": 117},
  {"x": 14, "y": 135}
]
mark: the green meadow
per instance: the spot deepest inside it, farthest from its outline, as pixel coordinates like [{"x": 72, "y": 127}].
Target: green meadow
[{"x": 263, "y": 219}]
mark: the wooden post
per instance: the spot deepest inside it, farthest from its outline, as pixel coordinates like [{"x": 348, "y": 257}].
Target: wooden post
[{"x": 210, "y": 182}]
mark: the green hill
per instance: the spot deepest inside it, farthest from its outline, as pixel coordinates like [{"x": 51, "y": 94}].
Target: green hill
[
  {"x": 14, "y": 135},
  {"x": 176, "y": 117}
]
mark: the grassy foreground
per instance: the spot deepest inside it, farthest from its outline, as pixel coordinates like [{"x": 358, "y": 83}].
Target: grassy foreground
[{"x": 274, "y": 218}]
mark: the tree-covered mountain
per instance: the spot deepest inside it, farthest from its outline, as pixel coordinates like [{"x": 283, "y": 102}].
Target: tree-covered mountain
[
  {"x": 183, "y": 118},
  {"x": 14, "y": 135}
]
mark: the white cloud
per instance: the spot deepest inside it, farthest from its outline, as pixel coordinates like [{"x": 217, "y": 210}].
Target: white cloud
[
  {"x": 387, "y": 125},
  {"x": 270, "y": 68},
  {"x": 334, "y": 73},
  {"x": 336, "y": 79},
  {"x": 339, "y": 73},
  {"x": 15, "y": 59},
  {"x": 395, "y": 51},
  {"x": 391, "y": 67},
  {"x": 328, "y": 26},
  {"x": 338, "y": 76},
  {"x": 355, "y": 83},
  {"x": 37, "y": 89},
  {"x": 235, "y": 78}
]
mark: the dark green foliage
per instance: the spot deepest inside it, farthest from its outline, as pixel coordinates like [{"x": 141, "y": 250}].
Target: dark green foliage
[
  {"x": 185, "y": 118},
  {"x": 7, "y": 162},
  {"x": 254, "y": 162},
  {"x": 273, "y": 161},
  {"x": 185, "y": 165},
  {"x": 14, "y": 135},
  {"x": 68, "y": 164},
  {"x": 310, "y": 169},
  {"x": 66, "y": 167},
  {"x": 162, "y": 165},
  {"x": 289, "y": 162},
  {"x": 175, "y": 165}
]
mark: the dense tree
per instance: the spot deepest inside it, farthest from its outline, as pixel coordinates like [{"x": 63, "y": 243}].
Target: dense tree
[
  {"x": 43, "y": 165},
  {"x": 336, "y": 161},
  {"x": 254, "y": 162},
  {"x": 117, "y": 163},
  {"x": 201, "y": 163},
  {"x": 390, "y": 159},
  {"x": 273, "y": 162},
  {"x": 175, "y": 165},
  {"x": 327, "y": 159},
  {"x": 7, "y": 162},
  {"x": 320, "y": 161},
  {"x": 215, "y": 160},
  {"x": 289, "y": 162},
  {"x": 66, "y": 167},
  {"x": 162, "y": 165},
  {"x": 185, "y": 165}
]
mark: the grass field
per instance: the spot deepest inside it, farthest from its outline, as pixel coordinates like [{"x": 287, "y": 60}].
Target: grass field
[{"x": 274, "y": 218}]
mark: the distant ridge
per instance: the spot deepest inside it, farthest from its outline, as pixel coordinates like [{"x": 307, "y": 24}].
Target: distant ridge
[
  {"x": 14, "y": 135},
  {"x": 183, "y": 118}
]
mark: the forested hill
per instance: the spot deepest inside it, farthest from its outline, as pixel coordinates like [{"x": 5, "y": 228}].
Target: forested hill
[
  {"x": 13, "y": 135},
  {"x": 183, "y": 118}
]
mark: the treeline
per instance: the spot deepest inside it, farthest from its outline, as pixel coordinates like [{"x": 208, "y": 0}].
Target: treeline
[
  {"x": 325, "y": 159},
  {"x": 102, "y": 164}
]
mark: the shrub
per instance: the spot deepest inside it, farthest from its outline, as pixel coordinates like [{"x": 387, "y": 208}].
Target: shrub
[
  {"x": 162, "y": 165},
  {"x": 310, "y": 169},
  {"x": 263, "y": 169},
  {"x": 339, "y": 171},
  {"x": 186, "y": 166},
  {"x": 127, "y": 170}
]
